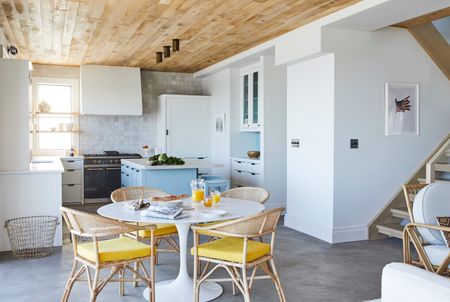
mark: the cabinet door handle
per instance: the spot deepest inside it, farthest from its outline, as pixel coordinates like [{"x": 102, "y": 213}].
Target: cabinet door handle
[
  {"x": 252, "y": 164},
  {"x": 112, "y": 168},
  {"x": 253, "y": 173},
  {"x": 71, "y": 185},
  {"x": 239, "y": 171},
  {"x": 132, "y": 169},
  {"x": 239, "y": 162},
  {"x": 70, "y": 161},
  {"x": 138, "y": 171},
  {"x": 70, "y": 170},
  {"x": 128, "y": 174},
  {"x": 94, "y": 169},
  {"x": 122, "y": 172}
]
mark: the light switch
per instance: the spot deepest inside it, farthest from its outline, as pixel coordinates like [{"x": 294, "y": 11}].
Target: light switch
[
  {"x": 295, "y": 143},
  {"x": 354, "y": 143}
]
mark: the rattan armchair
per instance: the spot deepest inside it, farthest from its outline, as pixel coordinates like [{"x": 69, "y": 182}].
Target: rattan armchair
[
  {"x": 237, "y": 253},
  {"x": 102, "y": 252},
  {"x": 410, "y": 191},
  {"x": 257, "y": 194},
  {"x": 164, "y": 232}
]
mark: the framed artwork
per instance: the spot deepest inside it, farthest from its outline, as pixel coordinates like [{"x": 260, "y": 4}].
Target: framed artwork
[
  {"x": 401, "y": 109},
  {"x": 220, "y": 125}
]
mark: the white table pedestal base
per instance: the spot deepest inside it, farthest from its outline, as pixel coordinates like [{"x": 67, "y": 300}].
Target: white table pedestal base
[{"x": 181, "y": 289}]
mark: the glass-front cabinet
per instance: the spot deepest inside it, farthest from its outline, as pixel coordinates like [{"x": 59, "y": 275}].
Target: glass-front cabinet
[{"x": 250, "y": 99}]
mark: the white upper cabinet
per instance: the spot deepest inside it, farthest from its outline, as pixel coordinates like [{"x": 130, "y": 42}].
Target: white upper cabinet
[
  {"x": 110, "y": 90},
  {"x": 183, "y": 123},
  {"x": 250, "y": 98}
]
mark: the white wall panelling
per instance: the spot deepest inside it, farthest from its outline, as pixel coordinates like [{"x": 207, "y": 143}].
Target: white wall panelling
[{"x": 14, "y": 115}]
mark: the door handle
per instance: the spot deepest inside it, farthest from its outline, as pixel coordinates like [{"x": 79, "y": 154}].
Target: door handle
[
  {"x": 112, "y": 168},
  {"x": 71, "y": 185},
  {"x": 94, "y": 169},
  {"x": 70, "y": 170}
]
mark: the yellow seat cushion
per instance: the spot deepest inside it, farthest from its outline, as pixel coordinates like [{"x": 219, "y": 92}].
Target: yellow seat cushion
[
  {"x": 231, "y": 249},
  {"x": 117, "y": 249},
  {"x": 161, "y": 229}
]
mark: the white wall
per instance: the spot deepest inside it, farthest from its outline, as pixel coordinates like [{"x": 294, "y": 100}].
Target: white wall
[
  {"x": 218, "y": 87},
  {"x": 310, "y": 117},
  {"x": 273, "y": 138},
  {"x": 366, "y": 178},
  {"x": 41, "y": 196}
]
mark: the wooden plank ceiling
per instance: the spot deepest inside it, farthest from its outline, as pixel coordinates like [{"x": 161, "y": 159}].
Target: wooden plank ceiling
[{"x": 129, "y": 32}]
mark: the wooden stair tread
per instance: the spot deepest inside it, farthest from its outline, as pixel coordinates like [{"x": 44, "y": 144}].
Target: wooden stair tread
[
  {"x": 400, "y": 212},
  {"x": 391, "y": 229},
  {"x": 442, "y": 167},
  {"x": 423, "y": 180}
]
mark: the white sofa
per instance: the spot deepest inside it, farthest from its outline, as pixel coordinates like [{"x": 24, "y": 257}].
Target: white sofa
[{"x": 406, "y": 283}]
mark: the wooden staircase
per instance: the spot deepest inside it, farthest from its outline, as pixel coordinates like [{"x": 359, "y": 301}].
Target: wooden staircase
[{"x": 392, "y": 218}]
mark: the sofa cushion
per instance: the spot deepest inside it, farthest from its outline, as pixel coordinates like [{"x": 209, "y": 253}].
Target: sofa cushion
[
  {"x": 444, "y": 222},
  {"x": 431, "y": 202},
  {"x": 406, "y": 283}
]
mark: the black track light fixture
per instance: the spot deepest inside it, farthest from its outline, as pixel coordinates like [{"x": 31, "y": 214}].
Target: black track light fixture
[
  {"x": 159, "y": 57},
  {"x": 175, "y": 45},
  {"x": 166, "y": 50}
]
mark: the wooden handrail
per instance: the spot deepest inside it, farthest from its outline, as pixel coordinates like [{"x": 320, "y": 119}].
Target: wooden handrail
[{"x": 430, "y": 166}]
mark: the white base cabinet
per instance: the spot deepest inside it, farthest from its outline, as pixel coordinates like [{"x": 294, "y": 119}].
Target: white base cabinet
[
  {"x": 246, "y": 173},
  {"x": 72, "y": 180}
]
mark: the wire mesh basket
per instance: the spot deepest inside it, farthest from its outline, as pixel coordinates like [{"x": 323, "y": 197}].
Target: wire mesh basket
[{"x": 31, "y": 236}]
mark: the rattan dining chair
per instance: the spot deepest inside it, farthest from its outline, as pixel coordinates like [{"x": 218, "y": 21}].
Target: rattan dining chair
[
  {"x": 257, "y": 194},
  {"x": 102, "y": 252},
  {"x": 164, "y": 232},
  {"x": 237, "y": 253},
  {"x": 410, "y": 191}
]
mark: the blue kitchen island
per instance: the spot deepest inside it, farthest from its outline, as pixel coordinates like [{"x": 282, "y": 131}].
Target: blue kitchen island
[{"x": 170, "y": 179}]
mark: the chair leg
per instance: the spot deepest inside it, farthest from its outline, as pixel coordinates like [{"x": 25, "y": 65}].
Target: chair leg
[
  {"x": 136, "y": 268},
  {"x": 121, "y": 283},
  {"x": 94, "y": 289},
  {"x": 70, "y": 282},
  {"x": 280, "y": 291},
  {"x": 245, "y": 283},
  {"x": 152, "y": 279}
]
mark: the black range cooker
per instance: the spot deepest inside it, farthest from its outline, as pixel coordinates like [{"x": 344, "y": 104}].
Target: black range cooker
[{"x": 102, "y": 174}]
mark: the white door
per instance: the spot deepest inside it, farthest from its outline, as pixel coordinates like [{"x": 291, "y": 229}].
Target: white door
[{"x": 187, "y": 126}]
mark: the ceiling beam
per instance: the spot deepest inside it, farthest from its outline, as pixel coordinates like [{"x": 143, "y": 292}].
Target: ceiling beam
[{"x": 425, "y": 18}]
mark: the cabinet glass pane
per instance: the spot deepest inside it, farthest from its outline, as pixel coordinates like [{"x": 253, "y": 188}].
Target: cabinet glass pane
[
  {"x": 245, "y": 100},
  {"x": 255, "y": 98}
]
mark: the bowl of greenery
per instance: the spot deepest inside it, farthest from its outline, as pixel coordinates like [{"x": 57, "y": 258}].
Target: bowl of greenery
[{"x": 163, "y": 159}]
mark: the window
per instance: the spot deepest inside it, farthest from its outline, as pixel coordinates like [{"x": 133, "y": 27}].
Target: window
[{"x": 55, "y": 112}]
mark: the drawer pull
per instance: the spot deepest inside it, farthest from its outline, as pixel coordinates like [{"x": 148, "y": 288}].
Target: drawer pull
[
  {"x": 70, "y": 170},
  {"x": 239, "y": 171},
  {"x": 239, "y": 162},
  {"x": 132, "y": 169},
  {"x": 253, "y": 173},
  {"x": 138, "y": 171},
  {"x": 71, "y": 185},
  {"x": 128, "y": 174},
  {"x": 70, "y": 161},
  {"x": 253, "y": 164}
]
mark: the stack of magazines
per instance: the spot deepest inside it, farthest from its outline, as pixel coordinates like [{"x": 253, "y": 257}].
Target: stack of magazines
[{"x": 162, "y": 212}]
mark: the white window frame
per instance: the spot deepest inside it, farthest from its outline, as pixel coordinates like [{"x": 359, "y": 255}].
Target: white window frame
[{"x": 75, "y": 83}]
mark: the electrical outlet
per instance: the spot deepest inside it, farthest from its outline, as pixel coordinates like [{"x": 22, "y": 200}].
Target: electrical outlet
[
  {"x": 295, "y": 143},
  {"x": 354, "y": 143}
]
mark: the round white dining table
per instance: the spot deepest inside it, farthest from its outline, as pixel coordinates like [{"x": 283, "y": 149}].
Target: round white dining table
[{"x": 181, "y": 288}]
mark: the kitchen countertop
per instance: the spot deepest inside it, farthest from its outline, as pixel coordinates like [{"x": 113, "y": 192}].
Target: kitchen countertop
[
  {"x": 41, "y": 165},
  {"x": 189, "y": 164}
]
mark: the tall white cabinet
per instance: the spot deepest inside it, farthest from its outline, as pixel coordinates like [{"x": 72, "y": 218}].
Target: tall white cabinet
[
  {"x": 183, "y": 125},
  {"x": 14, "y": 115}
]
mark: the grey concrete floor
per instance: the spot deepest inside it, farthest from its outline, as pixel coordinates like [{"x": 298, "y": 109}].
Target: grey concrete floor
[{"x": 310, "y": 270}]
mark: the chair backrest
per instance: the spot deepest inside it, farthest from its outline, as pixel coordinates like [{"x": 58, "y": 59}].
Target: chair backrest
[
  {"x": 88, "y": 225},
  {"x": 252, "y": 226},
  {"x": 248, "y": 193},
  {"x": 132, "y": 193},
  {"x": 410, "y": 191},
  {"x": 431, "y": 202}
]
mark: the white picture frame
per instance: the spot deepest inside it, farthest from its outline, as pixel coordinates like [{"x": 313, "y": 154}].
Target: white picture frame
[
  {"x": 219, "y": 124},
  {"x": 401, "y": 109}
]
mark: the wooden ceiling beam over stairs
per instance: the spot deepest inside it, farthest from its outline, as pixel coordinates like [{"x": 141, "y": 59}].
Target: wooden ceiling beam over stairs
[{"x": 430, "y": 38}]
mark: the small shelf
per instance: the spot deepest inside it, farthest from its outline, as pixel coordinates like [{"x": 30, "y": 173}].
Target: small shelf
[
  {"x": 56, "y": 131},
  {"x": 55, "y": 113}
]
